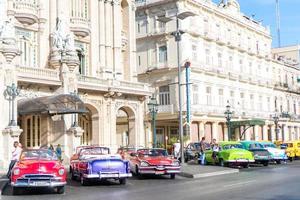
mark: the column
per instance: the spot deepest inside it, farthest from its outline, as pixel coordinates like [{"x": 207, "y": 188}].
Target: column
[
  {"x": 225, "y": 133},
  {"x": 102, "y": 35},
  {"x": 215, "y": 134},
  {"x": 118, "y": 71},
  {"x": 292, "y": 133},
  {"x": 265, "y": 132},
  {"x": 201, "y": 129},
  {"x": 297, "y": 133},
  {"x": 273, "y": 134},
  {"x": 285, "y": 132},
  {"x": 108, "y": 39},
  {"x": 247, "y": 133},
  {"x": 237, "y": 133},
  {"x": 256, "y": 132}
]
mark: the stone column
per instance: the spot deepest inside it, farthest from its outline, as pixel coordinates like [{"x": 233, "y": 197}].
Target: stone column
[
  {"x": 237, "y": 134},
  {"x": 118, "y": 71},
  {"x": 201, "y": 129},
  {"x": 273, "y": 133},
  {"x": 72, "y": 141},
  {"x": 297, "y": 133},
  {"x": 285, "y": 133},
  {"x": 291, "y": 133},
  {"x": 215, "y": 134},
  {"x": 108, "y": 39},
  {"x": 247, "y": 133},
  {"x": 225, "y": 133},
  {"x": 102, "y": 36},
  {"x": 256, "y": 132},
  {"x": 265, "y": 132}
]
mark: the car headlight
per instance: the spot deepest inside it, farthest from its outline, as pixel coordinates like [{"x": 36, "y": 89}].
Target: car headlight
[
  {"x": 16, "y": 172},
  {"x": 144, "y": 164},
  {"x": 61, "y": 172},
  {"x": 175, "y": 163}
]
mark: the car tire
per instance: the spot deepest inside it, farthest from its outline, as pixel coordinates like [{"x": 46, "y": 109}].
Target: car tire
[
  {"x": 172, "y": 176},
  {"x": 60, "y": 190},
  {"x": 291, "y": 159},
  {"x": 16, "y": 191},
  {"x": 122, "y": 181},
  {"x": 84, "y": 181},
  {"x": 266, "y": 163},
  {"x": 246, "y": 165},
  {"x": 278, "y": 162},
  {"x": 73, "y": 177}
]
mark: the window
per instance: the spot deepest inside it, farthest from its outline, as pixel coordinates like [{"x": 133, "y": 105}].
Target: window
[
  {"x": 207, "y": 56},
  {"x": 208, "y": 96},
  {"x": 251, "y": 101},
  {"x": 232, "y": 99},
  {"x": 295, "y": 108},
  {"x": 220, "y": 60},
  {"x": 82, "y": 53},
  {"x": 260, "y": 107},
  {"x": 221, "y": 98},
  {"x": 269, "y": 104},
  {"x": 139, "y": 60},
  {"x": 230, "y": 62},
  {"x": 139, "y": 27},
  {"x": 250, "y": 68},
  {"x": 164, "y": 95},
  {"x": 163, "y": 56},
  {"x": 194, "y": 52},
  {"x": 27, "y": 42},
  {"x": 33, "y": 131},
  {"x": 80, "y": 8},
  {"x": 195, "y": 94},
  {"x": 242, "y": 100},
  {"x": 288, "y": 105},
  {"x": 241, "y": 65}
]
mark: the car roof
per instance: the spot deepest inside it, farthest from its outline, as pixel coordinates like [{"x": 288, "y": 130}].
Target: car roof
[
  {"x": 228, "y": 142},
  {"x": 249, "y": 142}
]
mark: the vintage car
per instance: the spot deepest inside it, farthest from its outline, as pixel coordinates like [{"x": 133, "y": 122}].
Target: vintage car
[
  {"x": 38, "y": 168},
  {"x": 277, "y": 155},
  {"x": 292, "y": 149},
  {"x": 261, "y": 155},
  {"x": 192, "y": 151},
  {"x": 154, "y": 161},
  {"x": 230, "y": 153},
  {"x": 96, "y": 163}
]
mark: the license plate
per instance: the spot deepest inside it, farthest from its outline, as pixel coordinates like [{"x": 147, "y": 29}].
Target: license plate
[
  {"x": 159, "y": 172},
  {"x": 40, "y": 183}
]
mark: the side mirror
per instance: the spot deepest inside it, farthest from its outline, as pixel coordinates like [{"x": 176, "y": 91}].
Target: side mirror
[{"x": 133, "y": 154}]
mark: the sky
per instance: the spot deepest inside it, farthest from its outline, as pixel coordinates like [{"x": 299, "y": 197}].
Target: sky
[{"x": 265, "y": 10}]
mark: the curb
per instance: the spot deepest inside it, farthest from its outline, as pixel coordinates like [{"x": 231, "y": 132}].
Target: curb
[
  {"x": 209, "y": 174},
  {"x": 3, "y": 184}
]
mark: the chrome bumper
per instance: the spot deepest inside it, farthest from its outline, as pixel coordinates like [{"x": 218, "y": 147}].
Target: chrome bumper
[
  {"x": 241, "y": 161},
  {"x": 38, "y": 184},
  {"x": 159, "y": 170},
  {"x": 114, "y": 175}
]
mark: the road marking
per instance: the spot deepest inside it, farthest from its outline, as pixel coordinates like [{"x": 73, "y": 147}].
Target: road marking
[{"x": 239, "y": 184}]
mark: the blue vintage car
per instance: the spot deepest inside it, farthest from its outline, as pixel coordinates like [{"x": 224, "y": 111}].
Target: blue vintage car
[
  {"x": 261, "y": 155},
  {"x": 96, "y": 163},
  {"x": 277, "y": 155}
]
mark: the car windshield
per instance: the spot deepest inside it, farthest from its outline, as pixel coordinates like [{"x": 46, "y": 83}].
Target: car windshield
[
  {"x": 38, "y": 154},
  {"x": 95, "y": 151},
  {"x": 270, "y": 145},
  {"x": 152, "y": 152},
  {"x": 232, "y": 146},
  {"x": 255, "y": 146},
  {"x": 285, "y": 145}
]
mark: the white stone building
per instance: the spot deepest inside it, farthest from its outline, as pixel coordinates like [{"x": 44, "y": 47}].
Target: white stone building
[
  {"x": 50, "y": 49},
  {"x": 231, "y": 61}
]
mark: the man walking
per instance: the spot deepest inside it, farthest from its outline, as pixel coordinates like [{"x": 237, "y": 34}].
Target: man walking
[
  {"x": 16, "y": 153},
  {"x": 176, "y": 147},
  {"x": 202, "y": 149}
]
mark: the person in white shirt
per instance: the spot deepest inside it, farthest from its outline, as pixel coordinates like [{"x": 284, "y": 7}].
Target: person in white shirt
[
  {"x": 176, "y": 147},
  {"x": 16, "y": 153}
]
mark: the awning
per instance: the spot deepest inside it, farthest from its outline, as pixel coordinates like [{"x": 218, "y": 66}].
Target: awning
[
  {"x": 251, "y": 122},
  {"x": 52, "y": 105}
]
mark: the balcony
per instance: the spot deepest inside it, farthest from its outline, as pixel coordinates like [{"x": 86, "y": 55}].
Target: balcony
[
  {"x": 38, "y": 75},
  {"x": 80, "y": 26},
  {"x": 220, "y": 40},
  {"x": 208, "y": 35},
  {"x": 166, "y": 109},
  {"x": 25, "y": 11}
]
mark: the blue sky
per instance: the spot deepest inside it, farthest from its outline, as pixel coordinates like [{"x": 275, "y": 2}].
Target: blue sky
[{"x": 266, "y": 10}]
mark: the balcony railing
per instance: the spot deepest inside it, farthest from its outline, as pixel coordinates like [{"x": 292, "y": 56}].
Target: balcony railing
[
  {"x": 38, "y": 75},
  {"x": 25, "y": 11},
  {"x": 80, "y": 26},
  {"x": 165, "y": 108}
]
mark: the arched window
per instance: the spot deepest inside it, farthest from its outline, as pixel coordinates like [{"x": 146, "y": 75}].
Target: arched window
[{"x": 27, "y": 42}]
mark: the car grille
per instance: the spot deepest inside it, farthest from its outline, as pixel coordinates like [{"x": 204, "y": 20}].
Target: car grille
[{"x": 261, "y": 153}]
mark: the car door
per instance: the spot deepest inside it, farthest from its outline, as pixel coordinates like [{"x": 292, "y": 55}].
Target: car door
[{"x": 208, "y": 155}]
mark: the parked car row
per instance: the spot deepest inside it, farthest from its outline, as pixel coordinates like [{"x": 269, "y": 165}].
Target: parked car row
[
  {"x": 244, "y": 152},
  {"x": 41, "y": 168}
]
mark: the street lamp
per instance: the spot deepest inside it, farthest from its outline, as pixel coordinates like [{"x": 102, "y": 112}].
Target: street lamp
[
  {"x": 177, "y": 35},
  {"x": 152, "y": 105},
  {"x": 75, "y": 93},
  {"x": 228, "y": 115},
  {"x": 276, "y": 119},
  {"x": 10, "y": 93}
]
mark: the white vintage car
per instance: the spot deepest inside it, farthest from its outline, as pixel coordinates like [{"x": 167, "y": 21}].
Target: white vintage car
[{"x": 278, "y": 155}]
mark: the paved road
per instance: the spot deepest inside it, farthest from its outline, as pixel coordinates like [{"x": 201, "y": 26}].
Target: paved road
[{"x": 257, "y": 183}]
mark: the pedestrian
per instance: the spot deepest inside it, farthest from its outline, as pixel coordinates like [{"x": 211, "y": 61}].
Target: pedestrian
[
  {"x": 58, "y": 152},
  {"x": 16, "y": 153},
  {"x": 176, "y": 149},
  {"x": 51, "y": 148},
  {"x": 215, "y": 149},
  {"x": 202, "y": 151}
]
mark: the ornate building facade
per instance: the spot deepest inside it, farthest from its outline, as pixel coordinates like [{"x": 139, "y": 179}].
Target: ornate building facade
[
  {"x": 231, "y": 62},
  {"x": 73, "y": 62}
]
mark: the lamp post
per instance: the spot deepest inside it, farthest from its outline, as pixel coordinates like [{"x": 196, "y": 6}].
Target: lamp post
[
  {"x": 10, "y": 93},
  {"x": 152, "y": 105},
  {"x": 75, "y": 124},
  {"x": 177, "y": 35},
  {"x": 276, "y": 119},
  {"x": 228, "y": 115}
]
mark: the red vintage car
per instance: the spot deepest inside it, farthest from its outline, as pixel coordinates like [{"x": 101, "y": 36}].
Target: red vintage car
[
  {"x": 154, "y": 161},
  {"x": 38, "y": 168},
  {"x": 125, "y": 152}
]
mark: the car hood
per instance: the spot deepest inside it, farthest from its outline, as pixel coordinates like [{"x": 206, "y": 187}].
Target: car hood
[
  {"x": 273, "y": 150},
  {"x": 39, "y": 166},
  {"x": 159, "y": 160}
]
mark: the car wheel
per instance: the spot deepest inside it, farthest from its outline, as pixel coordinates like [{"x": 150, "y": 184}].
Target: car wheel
[
  {"x": 122, "y": 181},
  {"x": 266, "y": 164},
  {"x": 83, "y": 181},
  {"x": 246, "y": 165},
  {"x": 278, "y": 162},
  {"x": 73, "y": 177},
  {"x": 16, "y": 191},
  {"x": 61, "y": 190},
  {"x": 291, "y": 159},
  {"x": 186, "y": 160},
  {"x": 172, "y": 176}
]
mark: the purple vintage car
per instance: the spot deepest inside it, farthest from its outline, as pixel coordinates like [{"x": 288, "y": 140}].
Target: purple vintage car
[{"x": 96, "y": 163}]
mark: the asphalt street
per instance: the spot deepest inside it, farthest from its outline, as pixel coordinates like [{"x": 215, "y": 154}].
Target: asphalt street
[{"x": 275, "y": 182}]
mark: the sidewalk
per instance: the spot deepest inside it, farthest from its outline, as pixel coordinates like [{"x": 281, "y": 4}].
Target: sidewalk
[
  {"x": 192, "y": 170},
  {"x": 3, "y": 180}
]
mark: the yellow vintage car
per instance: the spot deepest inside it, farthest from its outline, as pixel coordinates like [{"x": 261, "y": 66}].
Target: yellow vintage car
[{"x": 292, "y": 149}]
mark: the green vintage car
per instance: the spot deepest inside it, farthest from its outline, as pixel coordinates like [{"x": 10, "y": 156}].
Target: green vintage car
[
  {"x": 230, "y": 153},
  {"x": 261, "y": 155}
]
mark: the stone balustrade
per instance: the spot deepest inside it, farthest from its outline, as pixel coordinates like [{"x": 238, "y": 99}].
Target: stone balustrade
[
  {"x": 25, "y": 11},
  {"x": 165, "y": 109},
  {"x": 80, "y": 26}
]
